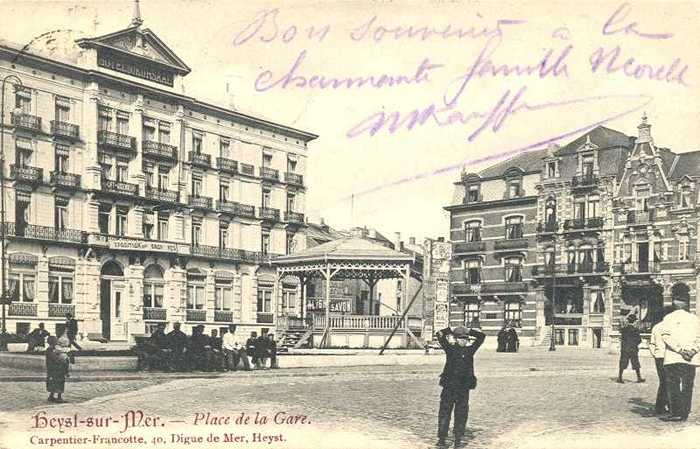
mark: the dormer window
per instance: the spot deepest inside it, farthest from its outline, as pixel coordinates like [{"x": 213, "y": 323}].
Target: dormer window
[
  {"x": 642, "y": 200},
  {"x": 686, "y": 195},
  {"x": 552, "y": 169},
  {"x": 473, "y": 193},
  {"x": 514, "y": 190},
  {"x": 587, "y": 166}
]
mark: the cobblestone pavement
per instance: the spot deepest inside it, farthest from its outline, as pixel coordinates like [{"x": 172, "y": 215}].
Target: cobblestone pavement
[{"x": 526, "y": 400}]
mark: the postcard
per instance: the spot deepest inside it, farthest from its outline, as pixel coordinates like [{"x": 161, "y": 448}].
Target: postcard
[{"x": 361, "y": 224}]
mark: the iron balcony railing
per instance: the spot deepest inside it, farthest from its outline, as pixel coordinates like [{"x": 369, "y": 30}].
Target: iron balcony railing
[
  {"x": 200, "y": 159},
  {"x": 244, "y": 210},
  {"x": 246, "y": 169},
  {"x": 250, "y": 256},
  {"x": 26, "y": 121},
  {"x": 22, "y": 309},
  {"x": 37, "y": 232},
  {"x": 227, "y": 165},
  {"x": 196, "y": 315},
  {"x": 226, "y": 206},
  {"x": 265, "y": 318},
  {"x": 269, "y": 173},
  {"x": 119, "y": 187},
  {"x": 223, "y": 316},
  {"x": 586, "y": 180},
  {"x": 294, "y": 178},
  {"x": 159, "y": 150},
  {"x": 200, "y": 202},
  {"x": 640, "y": 267},
  {"x": 468, "y": 247},
  {"x": 294, "y": 217},
  {"x": 547, "y": 227},
  {"x": 217, "y": 252},
  {"x": 268, "y": 213},
  {"x": 65, "y": 130},
  {"x": 510, "y": 244},
  {"x": 641, "y": 217},
  {"x": 168, "y": 196},
  {"x": 117, "y": 141},
  {"x": 154, "y": 313},
  {"x": 67, "y": 180},
  {"x": 60, "y": 310},
  {"x": 577, "y": 224},
  {"x": 26, "y": 173},
  {"x": 570, "y": 269}
]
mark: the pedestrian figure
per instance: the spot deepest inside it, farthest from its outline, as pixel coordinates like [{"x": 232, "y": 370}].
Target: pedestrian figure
[
  {"x": 261, "y": 349},
  {"x": 229, "y": 347},
  {"x": 72, "y": 330},
  {"x": 198, "y": 350},
  {"x": 501, "y": 339},
  {"x": 272, "y": 351},
  {"x": 629, "y": 349},
  {"x": 56, "y": 370},
  {"x": 657, "y": 347},
  {"x": 250, "y": 347},
  {"x": 511, "y": 339},
  {"x": 177, "y": 343},
  {"x": 217, "y": 359},
  {"x": 681, "y": 333},
  {"x": 37, "y": 338},
  {"x": 457, "y": 379}
]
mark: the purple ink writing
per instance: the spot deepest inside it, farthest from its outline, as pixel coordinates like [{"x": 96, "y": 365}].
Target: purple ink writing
[
  {"x": 371, "y": 31},
  {"x": 617, "y": 23},
  {"x": 292, "y": 79},
  {"x": 265, "y": 25},
  {"x": 609, "y": 61}
]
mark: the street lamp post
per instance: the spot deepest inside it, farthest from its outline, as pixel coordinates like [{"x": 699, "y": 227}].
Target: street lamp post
[
  {"x": 3, "y": 226},
  {"x": 552, "y": 346}
]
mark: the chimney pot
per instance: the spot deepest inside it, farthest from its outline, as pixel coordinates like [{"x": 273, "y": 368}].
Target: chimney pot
[{"x": 441, "y": 239}]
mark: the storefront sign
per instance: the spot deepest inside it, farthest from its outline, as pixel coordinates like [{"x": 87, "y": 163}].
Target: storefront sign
[
  {"x": 144, "y": 245},
  {"x": 139, "y": 69},
  {"x": 442, "y": 290},
  {"x": 441, "y": 318}
]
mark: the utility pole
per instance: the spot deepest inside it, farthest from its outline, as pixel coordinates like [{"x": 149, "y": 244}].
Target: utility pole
[{"x": 3, "y": 225}]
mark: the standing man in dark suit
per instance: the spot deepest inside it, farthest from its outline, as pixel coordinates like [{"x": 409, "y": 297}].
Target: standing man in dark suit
[
  {"x": 629, "y": 348},
  {"x": 72, "y": 330},
  {"x": 177, "y": 343},
  {"x": 457, "y": 378}
]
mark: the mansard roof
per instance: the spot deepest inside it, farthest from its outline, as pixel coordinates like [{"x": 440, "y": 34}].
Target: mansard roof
[
  {"x": 527, "y": 162},
  {"x": 599, "y": 136},
  {"x": 685, "y": 164}
]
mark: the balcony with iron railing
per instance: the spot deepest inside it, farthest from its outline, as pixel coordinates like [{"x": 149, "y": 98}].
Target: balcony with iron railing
[
  {"x": 199, "y": 159},
  {"x": 116, "y": 141},
  {"x": 246, "y": 169},
  {"x": 119, "y": 187},
  {"x": 250, "y": 256},
  {"x": 199, "y": 202},
  {"x": 31, "y": 231},
  {"x": 468, "y": 247},
  {"x": 228, "y": 207},
  {"x": 264, "y": 318},
  {"x": 227, "y": 165},
  {"x": 294, "y": 178},
  {"x": 22, "y": 309},
  {"x": 163, "y": 195},
  {"x": 294, "y": 217},
  {"x": 158, "y": 150},
  {"x": 547, "y": 227},
  {"x": 508, "y": 244},
  {"x": 223, "y": 316},
  {"x": 584, "y": 181},
  {"x": 567, "y": 269},
  {"x": 196, "y": 315},
  {"x": 57, "y": 310},
  {"x": 269, "y": 214},
  {"x": 66, "y": 130},
  {"x": 641, "y": 217},
  {"x": 215, "y": 252},
  {"x": 26, "y": 121},
  {"x": 27, "y": 174},
  {"x": 155, "y": 313},
  {"x": 65, "y": 180},
  {"x": 269, "y": 173},
  {"x": 581, "y": 224},
  {"x": 639, "y": 267},
  {"x": 244, "y": 210}
]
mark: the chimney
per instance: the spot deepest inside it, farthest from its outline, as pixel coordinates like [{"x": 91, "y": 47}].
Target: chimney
[
  {"x": 230, "y": 97},
  {"x": 412, "y": 241},
  {"x": 441, "y": 239},
  {"x": 373, "y": 233},
  {"x": 397, "y": 241}
]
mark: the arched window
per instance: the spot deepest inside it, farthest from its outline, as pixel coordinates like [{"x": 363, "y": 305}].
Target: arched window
[
  {"x": 550, "y": 212},
  {"x": 153, "y": 286},
  {"x": 112, "y": 268},
  {"x": 472, "y": 231}
]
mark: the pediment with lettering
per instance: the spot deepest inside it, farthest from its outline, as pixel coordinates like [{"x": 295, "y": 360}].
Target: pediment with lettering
[{"x": 128, "y": 50}]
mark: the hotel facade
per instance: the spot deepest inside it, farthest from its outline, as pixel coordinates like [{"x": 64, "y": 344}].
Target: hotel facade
[
  {"x": 129, "y": 203},
  {"x": 566, "y": 242}
]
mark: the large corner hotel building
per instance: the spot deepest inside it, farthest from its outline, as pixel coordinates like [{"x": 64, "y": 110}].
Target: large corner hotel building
[{"x": 129, "y": 203}]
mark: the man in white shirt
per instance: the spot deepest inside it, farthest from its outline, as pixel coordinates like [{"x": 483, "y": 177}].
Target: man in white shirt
[
  {"x": 233, "y": 346},
  {"x": 681, "y": 334},
  {"x": 657, "y": 347}
]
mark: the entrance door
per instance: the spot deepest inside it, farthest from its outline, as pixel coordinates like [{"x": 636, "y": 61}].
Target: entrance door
[
  {"x": 643, "y": 257},
  {"x": 105, "y": 307},
  {"x": 117, "y": 307},
  {"x": 597, "y": 337}
]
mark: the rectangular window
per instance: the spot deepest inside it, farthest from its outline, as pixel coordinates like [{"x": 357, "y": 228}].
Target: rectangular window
[
  {"x": 153, "y": 295},
  {"x": 62, "y": 111},
  {"x": 147, "y": 226},
  {"x": 267, "y": 160},
  {"x": 197, "y": 143},
  {"x": 196, "y": 233},
  {"x": 149, "y": 131},
  {"x": 597, "y": 302},
  {"x": 122, "y": 123},
  {"x": 62, "y": 160},
  {"x": 61, "y": 213},
  {"x": 551, "y": 169},
  {"x": 104, "y": 216},
  {"x": 573, "y": 337},
  {"x": 225, "y": 148},
  {"x": 223, "y": 296},
  {"x": 471, "y": 314},
  {"x": 559, "y": 336},
  {"x": 513, "y": 313},
  {"x": 513, "y": 269},
  {"x": 514, "y": 228},
  {"x": 642, "y": 200},
  {"x": 122, "y": 171},
  {"x": 265, "y": 243},
  {"x": 150, "y": 177},
  {"x": 290, "y": 202},
  {"x": 593, "y": 208},
  {"x": 162, "y": 227},
  {"x": 289, "y": 299},
  {"x": 196, "y": 187},
  {"x": 264, "y": 301},
  {"x": 23, "y": 101},
  {"x": 163, "y": 178},
  {"x": 580, "y": 210},
  {"x": 223, "y": 192},
  {"x": 290, "y": 243},
  {"x": 223, "y": 235},
  {"x": 291, "y": 166},
  {"x": 683, "y": 250},
  {"x": 61, "y": 288},
  {"x": 122, "y": 213},
  {"x": 22, "y": 287},
  {"x": 473, "y": 194},
  {"x": 104, "y": 122},
  {"x": 266, "y": 198},
  {"x": 195, "y": 296},
  {"x": 472, "y": 231},
  {"x": 164, "y": 133},
  {"x": 514, "y": 189},
  {"x": 587, "y": 167},
  {"x": 473, "y": 271}
]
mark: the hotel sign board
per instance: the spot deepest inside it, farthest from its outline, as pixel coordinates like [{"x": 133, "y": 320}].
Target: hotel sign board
[
  {"x": 138, "y": 68},
  {"x": 143, "y": 245}
]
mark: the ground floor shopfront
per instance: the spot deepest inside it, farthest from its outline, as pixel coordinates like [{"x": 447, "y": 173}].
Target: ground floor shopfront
[{"x": 116, "y": 294}]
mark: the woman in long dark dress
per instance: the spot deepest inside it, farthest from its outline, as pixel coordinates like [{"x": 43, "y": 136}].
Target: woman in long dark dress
[
  {"x": 502, "y": 338},
  {"x": 56, "y": 370},
  {"x": 512, "y": 341}
]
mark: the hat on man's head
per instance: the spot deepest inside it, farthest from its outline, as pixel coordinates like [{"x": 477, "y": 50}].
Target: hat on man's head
[
  {"x": 460, "y": 332},
  {"x": 631, "y": 318}
]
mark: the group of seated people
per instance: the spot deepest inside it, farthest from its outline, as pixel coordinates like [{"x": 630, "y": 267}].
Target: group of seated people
[{"x": 176, "y": 351}]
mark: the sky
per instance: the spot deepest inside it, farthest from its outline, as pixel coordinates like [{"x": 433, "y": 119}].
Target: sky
[{"x": 488, "y": 79}]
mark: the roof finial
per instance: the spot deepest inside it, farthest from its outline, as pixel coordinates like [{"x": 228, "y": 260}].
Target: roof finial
[
  {"x": 644, "y": 118},
  {"x": 137, "y": 20}
]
